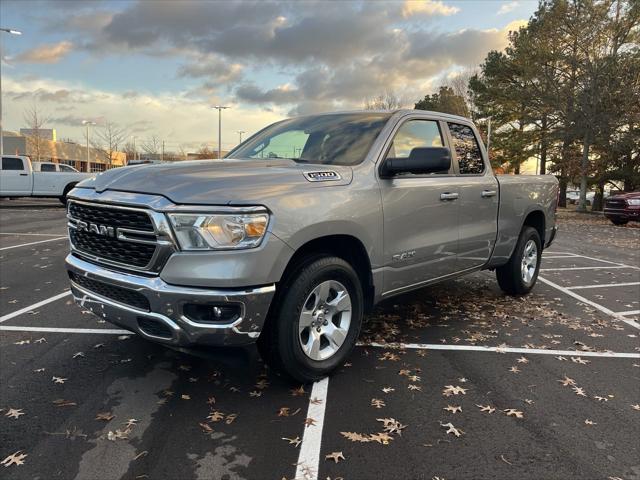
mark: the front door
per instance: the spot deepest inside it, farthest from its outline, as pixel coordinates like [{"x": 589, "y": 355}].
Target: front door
[
  {"x": 14, "y": 177},
  {"x": 478, "y": 200},
  {"x": 420, "y": 214}
]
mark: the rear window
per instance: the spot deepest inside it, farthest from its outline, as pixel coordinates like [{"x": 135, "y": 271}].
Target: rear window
[
  {"x": 470, "y": 160},
  {"x": 9, "y": 163}
]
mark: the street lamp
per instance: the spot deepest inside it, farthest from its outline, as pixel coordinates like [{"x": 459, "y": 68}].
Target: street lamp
[
  {"x": 86, "y": 123},
  {"x": 220, "y": 108},
  {"x": 135, "y": 151},
  {"x": 10, "y": 31},
  {"x": 240, "y": 132}
]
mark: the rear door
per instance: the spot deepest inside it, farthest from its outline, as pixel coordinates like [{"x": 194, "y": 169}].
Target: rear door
[
  {"x": 15, "y": 177},
  {"x": 478, "y": 201},
  {"x": 420, "y": 213}
]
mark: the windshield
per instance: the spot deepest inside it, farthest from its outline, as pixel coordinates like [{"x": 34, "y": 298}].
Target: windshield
[{"x": 335, "y": 139}]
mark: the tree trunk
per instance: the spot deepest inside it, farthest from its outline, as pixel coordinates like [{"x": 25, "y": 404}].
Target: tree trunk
[
  {"x": 584, "y": 170},
  {"x": 543, "y": 147},
  {"x": 562, "y": 201},
  {"x": 598, "y": 199}
]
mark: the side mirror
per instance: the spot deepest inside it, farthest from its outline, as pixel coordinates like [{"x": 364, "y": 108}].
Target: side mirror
[{"x": 421, "y": 160}]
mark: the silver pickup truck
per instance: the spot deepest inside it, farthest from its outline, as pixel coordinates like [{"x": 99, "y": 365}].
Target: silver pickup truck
[{"x": 300, "y": 231}]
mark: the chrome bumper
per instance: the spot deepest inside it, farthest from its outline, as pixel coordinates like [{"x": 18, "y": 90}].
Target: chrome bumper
[{"x": 166, "y": 304}]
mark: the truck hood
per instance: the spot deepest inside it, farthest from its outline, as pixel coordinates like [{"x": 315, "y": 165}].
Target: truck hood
[{"x": 218, "y": 182}]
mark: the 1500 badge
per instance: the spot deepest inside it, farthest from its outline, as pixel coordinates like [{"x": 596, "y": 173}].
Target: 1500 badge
[{"x": 323, "y": 176}]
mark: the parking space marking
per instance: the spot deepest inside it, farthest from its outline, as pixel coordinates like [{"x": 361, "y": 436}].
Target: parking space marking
[
  {"x": 309, "y": 458},
  {"x": 583, "y": 268},
  {"x": 480, "y": 348},
  {"x": 106, "y": 331},
  {"x": 33, "y": 243},
  {"x": 595, "y": 305},
  {"x": 558, "y": 256},
  {"x": 17, "y": 313},
  {"x": 604, "y": 285},
  {"x": 628, "y": 312},
  {"x": 33, "y": 234},
  {"x": 608, "y": 261}
]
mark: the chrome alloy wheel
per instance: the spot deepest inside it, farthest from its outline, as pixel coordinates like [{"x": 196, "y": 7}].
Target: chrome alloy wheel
[
  {"x": 529, "y": 262},
  {"x": 324, "y": 320}
]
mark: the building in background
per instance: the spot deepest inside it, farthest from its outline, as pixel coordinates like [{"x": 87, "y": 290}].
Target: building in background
[
  {"x": 44, "y": 149},
  {"x": 44, "y": 133}
]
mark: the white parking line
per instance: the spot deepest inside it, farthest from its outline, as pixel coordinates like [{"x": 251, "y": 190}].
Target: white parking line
[
  {"x": 583, "y": 268},
  {"x": 33, "y": 243},
  {"x": 33, "y": 234},
  {"x": 604, "y": 285},
  {"x": 558, "y": 256},
  {"x": 11, "y": 315},
  {"x": 628, "y": 312},
  {"x": 595, "y": 305},
  {"x": 480, "y": 348},
  {"x": 105, "y": 331},
  {"x": 309, "y": 457}
]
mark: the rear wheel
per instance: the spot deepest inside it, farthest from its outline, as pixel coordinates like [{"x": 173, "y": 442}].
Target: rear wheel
[
  {"x": 519, "y": 274},
  {"x": 315, "y": 324},
  {"x": 65, "y": 192},
  {"x": 619, "y": 221}
]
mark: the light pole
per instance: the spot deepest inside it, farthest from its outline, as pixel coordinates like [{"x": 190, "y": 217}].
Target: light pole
[
  {"x": 86, "y": 123},
  {"x": 135, "y": 151},
  {"x": 220, "y": 108},
  {"x": 240, "y": 132},
  {"x": 10, "y": 31}
]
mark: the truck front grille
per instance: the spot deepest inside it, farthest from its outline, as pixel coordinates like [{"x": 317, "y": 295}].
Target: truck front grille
[
  {"x": 117, "y": 236},
  {"x": 112, "y": 292},
  {"x": 105, "y": 248},
  {"x": 123, "y": 218}
]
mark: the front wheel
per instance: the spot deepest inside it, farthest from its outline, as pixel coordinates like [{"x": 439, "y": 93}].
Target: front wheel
[
  {"x": 316, "y": 322},
  {"x": 519, "y": 274}
]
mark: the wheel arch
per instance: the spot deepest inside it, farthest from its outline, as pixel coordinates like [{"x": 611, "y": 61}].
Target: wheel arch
[
  {"x": 537, "y": 220},
  {"x": 344, "y": 246}
]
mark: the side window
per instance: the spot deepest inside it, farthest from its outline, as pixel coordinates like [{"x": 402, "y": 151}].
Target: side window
[
  {"x": 47, "y": 167},
  {"x": 9, "y": 163},
  {"x": 67, "y": 168},
  {"x": 412, "y": 134},
  {"x": 470, "y": 159}
]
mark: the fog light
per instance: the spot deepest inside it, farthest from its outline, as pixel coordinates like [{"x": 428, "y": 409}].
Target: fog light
[{"x": 212, "y": 313}]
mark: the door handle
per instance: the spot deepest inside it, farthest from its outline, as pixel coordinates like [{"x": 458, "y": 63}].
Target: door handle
[
  {"x": 24, "y": 174},
  {"x": 448, "y": 196},
  {"x": 488, "y": 193}
]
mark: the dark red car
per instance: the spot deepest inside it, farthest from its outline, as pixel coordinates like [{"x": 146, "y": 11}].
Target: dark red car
[{"x": 623, "y": 207}]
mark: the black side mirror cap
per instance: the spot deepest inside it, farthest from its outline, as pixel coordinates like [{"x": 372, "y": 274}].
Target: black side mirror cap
[{"x": 421, "y": 160}]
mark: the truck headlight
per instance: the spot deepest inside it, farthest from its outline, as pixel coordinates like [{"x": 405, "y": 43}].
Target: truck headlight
[
  {"x": 634, "y": 201},
  {"x": 220, "y": 231}
]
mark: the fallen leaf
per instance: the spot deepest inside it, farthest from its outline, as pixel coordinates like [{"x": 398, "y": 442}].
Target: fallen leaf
[
  {"x": 310, "y": 422},
  {"x": 14, "y": 459},
  {"x": 512, "y": 412},
  {"x": 453, "y": 390},
  {"x": 59, "y": 379},
  {"x": 453, "y": 408},
  {"x": 298, "y": 392},
  {"x": 377, "y": 403},
  {"x": 14, "y": 413},
  {"x": 451, "y": 429},
  {"x": 336, "y": 456},
  {"x": 105, "y": 416},
  {"x": 293, "y": 441},
  {"x": 589, "y": 422},
  {"x": 486, "y": 408}
]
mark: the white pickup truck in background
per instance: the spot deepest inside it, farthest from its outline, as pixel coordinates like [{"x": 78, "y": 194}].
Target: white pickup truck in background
[{"x": 20, "y": 178}]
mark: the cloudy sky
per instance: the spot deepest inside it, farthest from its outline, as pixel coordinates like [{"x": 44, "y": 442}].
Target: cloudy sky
[{"x": 156, "y": 67}]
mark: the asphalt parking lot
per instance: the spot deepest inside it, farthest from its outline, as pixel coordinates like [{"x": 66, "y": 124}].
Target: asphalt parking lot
[{"x": 453, "y": 381}]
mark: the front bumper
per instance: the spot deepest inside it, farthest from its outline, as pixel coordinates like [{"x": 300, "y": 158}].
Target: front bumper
[{"x": 160, "y": 316}]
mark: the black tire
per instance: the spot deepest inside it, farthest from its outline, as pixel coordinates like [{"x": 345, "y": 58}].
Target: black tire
[
  {"x": 279, "y": 342},
  {"x": 510, "y": 277},
  {"x": 65, "y": 192},
  {"x": 619, "y": 221}
]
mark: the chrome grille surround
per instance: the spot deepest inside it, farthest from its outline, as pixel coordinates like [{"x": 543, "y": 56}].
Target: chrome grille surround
[{"x": 144, "y": 260}]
